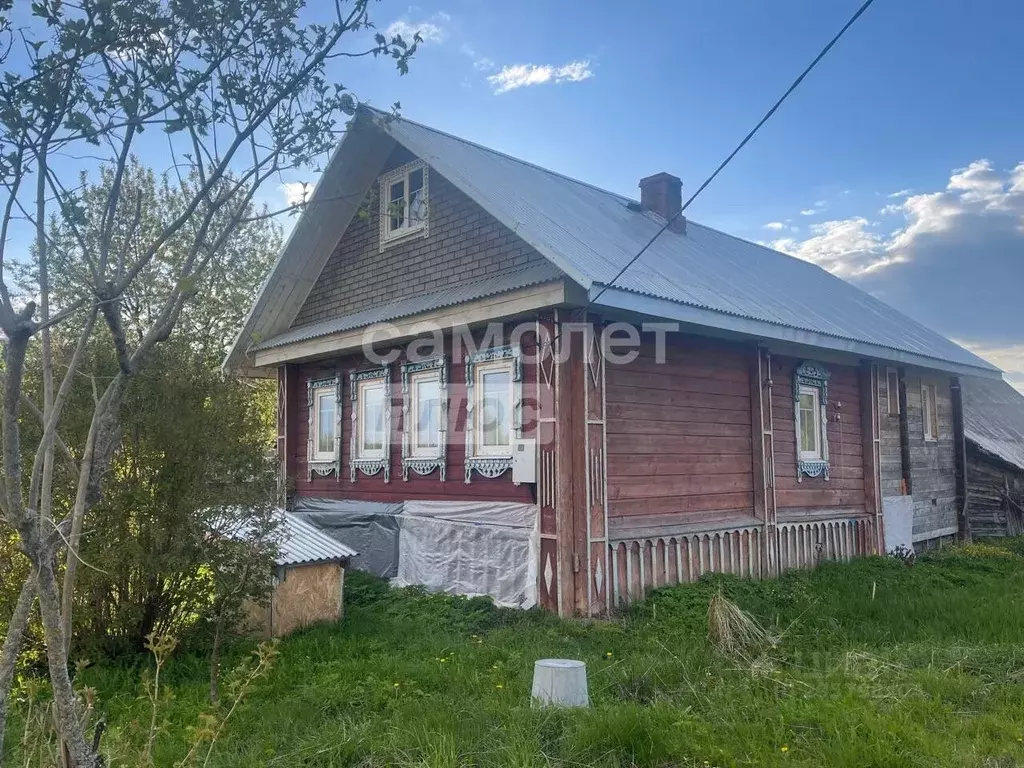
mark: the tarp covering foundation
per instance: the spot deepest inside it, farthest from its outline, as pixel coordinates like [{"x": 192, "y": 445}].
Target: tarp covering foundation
[{"x": 464, "y": 548}]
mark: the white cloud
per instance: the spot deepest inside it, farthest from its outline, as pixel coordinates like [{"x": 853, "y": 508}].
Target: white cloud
[
  {"x": 296, "y": 192},
  {"x": 431, "y": 30},
  {"x": 516, "y": 76},
  {"x": 777, "y": 226},
  {"x": 955, "y": 264},
  {"x": 818, "y": 207},
  {"x": 847, "y": 248},
  {"x": 899, "y": 193},
  {"x": 480, "y": 63},
  {"x": 1010, "y": 358}
]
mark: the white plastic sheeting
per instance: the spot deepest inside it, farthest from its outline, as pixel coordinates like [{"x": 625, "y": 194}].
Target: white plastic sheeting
[{"x": 471, "y": 548}]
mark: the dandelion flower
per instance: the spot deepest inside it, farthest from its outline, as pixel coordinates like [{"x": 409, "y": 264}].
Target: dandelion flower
[
  {"x": 397, "y": 684},
  {"x": 784, "y": 748},
  {"x": 608, "y": 655},
  {"x": 499, "y": 686}
]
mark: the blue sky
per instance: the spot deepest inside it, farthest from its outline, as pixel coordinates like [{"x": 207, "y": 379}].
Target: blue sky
[{"x": 895, "y": 165}]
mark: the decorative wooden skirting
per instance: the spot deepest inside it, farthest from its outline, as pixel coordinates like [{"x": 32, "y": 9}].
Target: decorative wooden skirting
[
  {"x": 805, "y": 544},
  {"x": 642, "y": 563}
]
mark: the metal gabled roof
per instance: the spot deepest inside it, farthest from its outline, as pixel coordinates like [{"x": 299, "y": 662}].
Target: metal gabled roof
[
  {"x": 704, "y": 276},
  {"x": 303, "y": 543},
  {"x": 526, "y": 277},
  {"x": 591, "y": 234},
  {"x": 994, "y": 418}
]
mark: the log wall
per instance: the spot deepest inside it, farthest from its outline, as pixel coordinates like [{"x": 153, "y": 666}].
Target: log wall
[{"x": 995, "y": 496}]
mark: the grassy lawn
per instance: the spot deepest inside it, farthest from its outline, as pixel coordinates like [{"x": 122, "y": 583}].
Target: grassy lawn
[{"x": 880, "y": 664}]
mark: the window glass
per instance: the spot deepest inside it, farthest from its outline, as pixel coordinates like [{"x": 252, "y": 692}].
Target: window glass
[
  {"x": 397, "y": 205},
  {"x": 417, "y": 212},
  {"x": 427, "y": 404},
  {"x": 372, "y": 426},
  {"x": 893, "y": 393},
  {"x": 930, "y": 412},
  {"x": 325, "y": 422},
  {"x": 809, "y": 422},
  {"x": 496, "y": 413}
]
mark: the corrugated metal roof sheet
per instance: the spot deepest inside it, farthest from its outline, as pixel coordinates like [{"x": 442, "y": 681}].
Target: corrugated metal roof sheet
[
  {"x": 591, "y": 234},
  {"x": 994, "y": 418},
  {"x": 302, "y": 543},
  {"x": 447, "y": 297}
]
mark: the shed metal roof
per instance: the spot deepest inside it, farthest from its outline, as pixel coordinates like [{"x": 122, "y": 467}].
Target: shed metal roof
[
  {"x": 994, "y": 418},
  {"x": 303, "y": 543},
  {"x": 414, "y": 305}
]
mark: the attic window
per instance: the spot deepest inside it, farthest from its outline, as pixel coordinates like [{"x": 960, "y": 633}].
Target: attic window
[{"x": 403, "y": 203}]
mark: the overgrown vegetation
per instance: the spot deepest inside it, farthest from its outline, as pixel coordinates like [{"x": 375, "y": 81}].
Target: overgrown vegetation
[{"x": 871, "y": 663}]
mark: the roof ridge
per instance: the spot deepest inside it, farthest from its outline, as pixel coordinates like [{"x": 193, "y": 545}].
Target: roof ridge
[{"x": 507, "y": 156}]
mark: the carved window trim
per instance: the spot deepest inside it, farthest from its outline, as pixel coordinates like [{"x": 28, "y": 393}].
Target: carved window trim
[
  {"x": 491, "y": 464},
  {"x": 412, "y": 460},
  {"x": 418, "y": 227},
  {"x": 814, "y": 376},
  {"x": 377, "y": 464},
  {"x": 317, "y": 463}
]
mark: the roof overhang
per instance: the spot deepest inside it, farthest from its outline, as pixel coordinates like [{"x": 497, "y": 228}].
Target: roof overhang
[
  {"x": 652, "y": 306},
  {"x": 506, "y": 306},
  {"x": 335, "y": 200}
]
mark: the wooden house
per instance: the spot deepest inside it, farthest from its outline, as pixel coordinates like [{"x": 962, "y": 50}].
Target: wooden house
[
  {"x": 994, "y": 428},
  {"x": 717, "y": 406}
]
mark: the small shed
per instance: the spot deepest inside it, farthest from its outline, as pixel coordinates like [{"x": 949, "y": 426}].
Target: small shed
[
  {"x": 994, "y": 432},
  {"x": 308, "y": 580}
]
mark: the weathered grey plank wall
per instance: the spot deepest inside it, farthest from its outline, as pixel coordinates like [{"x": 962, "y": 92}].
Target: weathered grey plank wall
[
  {"x": 994, "y": 493},
  {"x": 932, "y": 463},
  {"x": 891, "y": 464}
]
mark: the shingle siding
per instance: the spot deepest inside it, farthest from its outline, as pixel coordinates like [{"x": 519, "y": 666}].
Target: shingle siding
[{"x": 464, "y": 243}]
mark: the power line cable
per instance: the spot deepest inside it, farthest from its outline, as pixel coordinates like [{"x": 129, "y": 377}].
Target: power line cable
[{"x": 741, "y": 145}]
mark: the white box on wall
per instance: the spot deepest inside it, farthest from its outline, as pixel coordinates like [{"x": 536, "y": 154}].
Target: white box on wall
[{"x": 524, "y": 460}]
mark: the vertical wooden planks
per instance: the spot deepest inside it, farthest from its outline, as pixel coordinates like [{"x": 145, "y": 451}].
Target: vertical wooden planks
[
  {"x": 871, "y": 435},
  {"x": 595, "y": 450},
  {"x": 288, "y": 397}
]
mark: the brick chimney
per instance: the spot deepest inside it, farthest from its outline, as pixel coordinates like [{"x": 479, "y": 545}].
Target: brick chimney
[{"x": 662, "y": 193}]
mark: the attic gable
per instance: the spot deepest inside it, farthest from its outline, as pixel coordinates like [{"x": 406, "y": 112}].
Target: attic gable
[{"x": 463, "y": 244}]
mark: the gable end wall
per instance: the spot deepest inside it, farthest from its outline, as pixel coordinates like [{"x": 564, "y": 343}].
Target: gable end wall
[{"x": 464, "y": 244}]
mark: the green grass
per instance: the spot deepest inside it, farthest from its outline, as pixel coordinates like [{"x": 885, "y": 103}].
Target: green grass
[{"x": 880, "y": 664}]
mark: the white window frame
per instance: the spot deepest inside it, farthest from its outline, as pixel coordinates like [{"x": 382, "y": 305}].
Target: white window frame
[
  {"x": 892, "y": 376},
  {"x": 482, "y": 370},
  {"x": 817, "y": 453},
  {"x": 415, "y": 459},
  {"x": 323, "y": 462},
  {"x": 376, "y": 461},
  {"x": 810, "y": 376},
  {"x": 419, "y": 228},
  {"x": 491, "y": 461},
  {"x": 362, "y": 452},
  {"x": 930, "y": 415}
]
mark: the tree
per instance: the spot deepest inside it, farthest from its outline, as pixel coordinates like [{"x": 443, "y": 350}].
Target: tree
[{"x": 231, "y": 93}]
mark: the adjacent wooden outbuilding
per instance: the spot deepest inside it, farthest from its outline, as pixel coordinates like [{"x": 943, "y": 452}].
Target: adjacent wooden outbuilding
[{"x": 994, "y": 427}]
